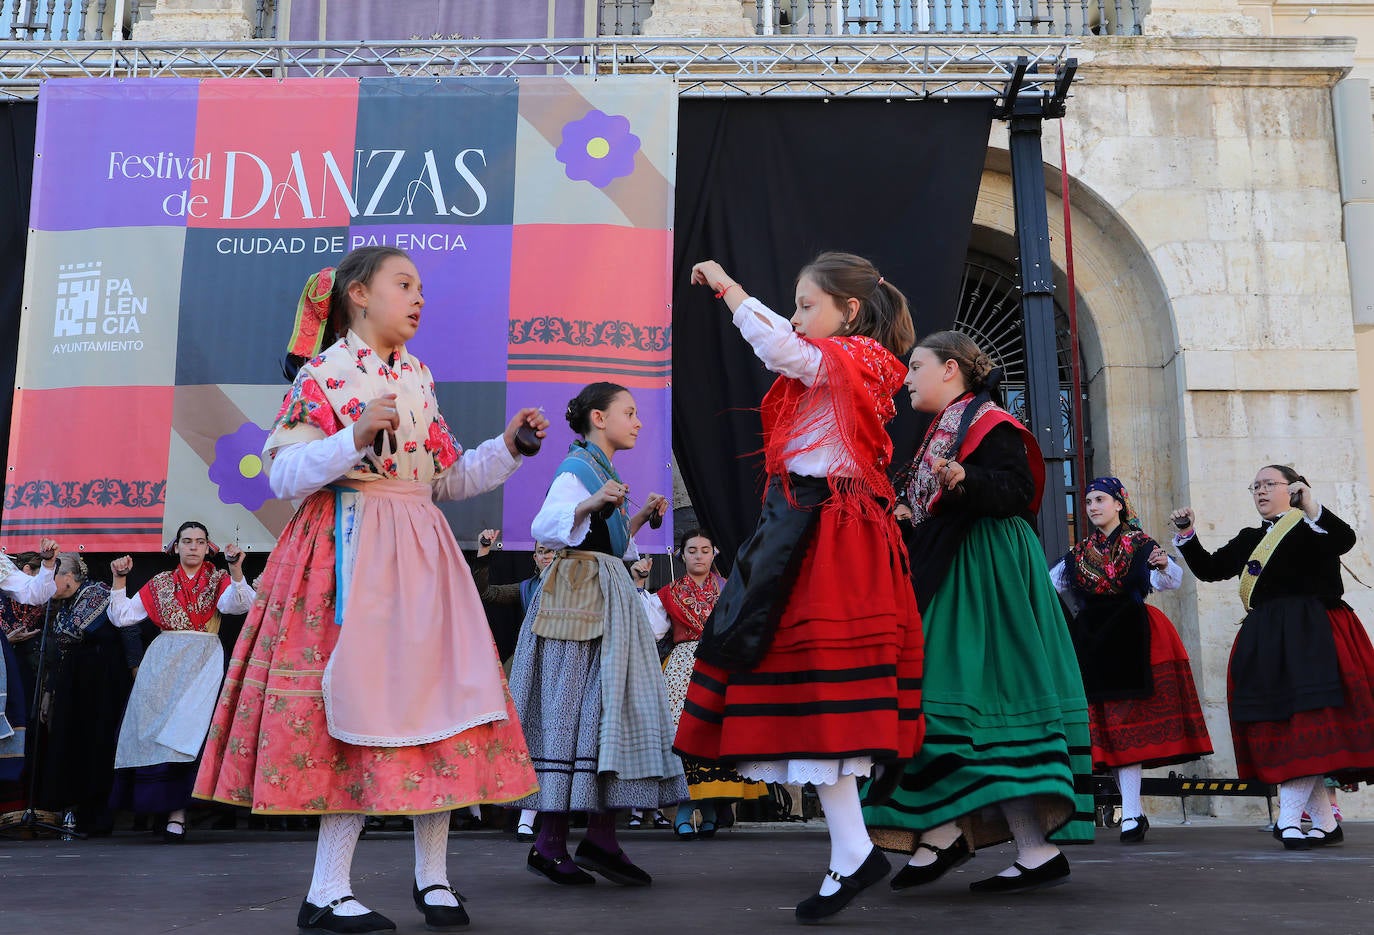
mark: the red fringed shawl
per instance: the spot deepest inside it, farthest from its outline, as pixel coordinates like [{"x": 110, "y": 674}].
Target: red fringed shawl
[{"x": 849, "y": 405}]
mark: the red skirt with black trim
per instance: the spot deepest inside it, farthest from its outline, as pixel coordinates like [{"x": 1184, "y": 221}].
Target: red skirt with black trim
[
  {"x": 1326, "y": 741},
  {"x": 1163, "y": 729},
  {"x": 842, "y": 677}
]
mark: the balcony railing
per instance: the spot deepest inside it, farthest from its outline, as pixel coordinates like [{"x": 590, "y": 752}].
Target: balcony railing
[
  {"x": 81, "y": 20},
  {"x": 911, "y": 17},
  {"x": 85, "y": 20}
]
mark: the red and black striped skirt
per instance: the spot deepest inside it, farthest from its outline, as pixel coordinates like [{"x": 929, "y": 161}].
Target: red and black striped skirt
[{"x": 842, "y": 677}]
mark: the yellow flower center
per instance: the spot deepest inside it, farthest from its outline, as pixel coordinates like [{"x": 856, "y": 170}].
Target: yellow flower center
[
  {"x": 250, "y": 465},
  {"x": 598, "y": 147}
]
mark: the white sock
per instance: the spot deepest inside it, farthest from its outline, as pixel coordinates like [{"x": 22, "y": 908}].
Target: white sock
[
  {"x": 941, "y": 836},
  {"x": 475, "y": 811},
  {"x": 526, "y": 820},
  {"x": 850, "y": 844},
  {"x": 1128, "y": 781},
  {"x": 1319, "y": 807},
  {"x": 1293, "y": 795},
  {"x": 431, "y": 856},
  {"x": 179, "y": 816},
  {"x": 333, "y": 861},
  {"x": 1032, "y": 850}
]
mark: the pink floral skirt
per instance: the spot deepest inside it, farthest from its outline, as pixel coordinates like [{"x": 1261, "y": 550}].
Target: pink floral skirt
[{"x": 269, "y": 747}]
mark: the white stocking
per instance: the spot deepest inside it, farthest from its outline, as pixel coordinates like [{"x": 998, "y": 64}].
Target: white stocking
[
  {"x": 1293, "y": 795},
  {"x": 431, "y": 856},
  {"x": 526, "y": 819},
  {"x": 1032, "y": 850},
  {"x": 941, "y": 836},
  {"x": 1319, "y": 807},
  {"x": 850, "y": 844},
  {"x": 1128, "y": 781},
  {"x": 334, "y": 861}
]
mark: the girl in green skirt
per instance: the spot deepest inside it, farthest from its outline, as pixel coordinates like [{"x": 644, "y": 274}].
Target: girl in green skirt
[{"x": 1007, "y": 752}]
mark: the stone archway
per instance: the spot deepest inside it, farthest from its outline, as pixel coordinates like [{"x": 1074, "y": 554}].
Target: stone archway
[{"x": 1128, "y": 345}]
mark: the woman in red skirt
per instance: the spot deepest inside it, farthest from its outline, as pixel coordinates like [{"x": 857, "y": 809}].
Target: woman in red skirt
[
  {"x": 809, "y": 668},
  {"x": 1300, "y": 685},
  {"x": 1143, "y": 708}
]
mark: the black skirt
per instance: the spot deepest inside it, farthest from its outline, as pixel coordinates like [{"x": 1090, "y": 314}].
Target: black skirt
[{"x": 1284, "y": 661}]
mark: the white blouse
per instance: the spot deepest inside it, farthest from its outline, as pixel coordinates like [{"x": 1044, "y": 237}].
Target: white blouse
[
  {"x": 301, "y": 469},
  {"x": 785, "y": 353},
  {"x": 125, "y": 611},
  {"x": 658, "y": 615},
  {"x": 28, "y": 589}
]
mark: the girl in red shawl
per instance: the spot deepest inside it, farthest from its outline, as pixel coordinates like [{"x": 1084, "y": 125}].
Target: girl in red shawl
[
  {"x": 179, "y": 678},
  {"x": 796, "y": 680}
]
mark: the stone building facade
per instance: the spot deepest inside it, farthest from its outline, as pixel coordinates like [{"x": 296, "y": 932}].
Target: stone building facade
[{"x": 1211, "y": 268}]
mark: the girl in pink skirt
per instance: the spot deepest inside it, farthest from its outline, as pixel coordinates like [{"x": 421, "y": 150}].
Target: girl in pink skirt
[{"x": 365, "y": 680}]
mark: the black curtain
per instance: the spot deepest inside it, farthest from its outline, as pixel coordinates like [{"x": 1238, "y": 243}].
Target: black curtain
[
  {"x": 762, "y": 187},
  {"x": 18, "y": 131}
]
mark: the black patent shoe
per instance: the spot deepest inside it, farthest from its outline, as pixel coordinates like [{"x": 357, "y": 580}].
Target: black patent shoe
[
  {"x": 614, "y": 867},
  {"x": 1052, "y": 872},
  {"x": 946, "y": 859},
  {"x": 1300, "y": 843},
  {"x": 815, "y": 909},
  {"x": 1319, "y": 838},
  {"x": 557, "y": 869},
  {"x": 313, "y": 918},
  {"x": 174, "y": 837},
  {"x": 440, "y": 918},
  {"x": 1137, "y": 834}
]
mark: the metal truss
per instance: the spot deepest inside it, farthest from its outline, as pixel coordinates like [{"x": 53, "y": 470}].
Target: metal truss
[{"x": 937, "y": 67}]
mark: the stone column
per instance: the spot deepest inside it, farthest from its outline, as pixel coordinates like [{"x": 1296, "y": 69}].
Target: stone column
[
  {"x": 1199, "y": 18},
  {"x": 197, "y": 21},
  {"x": 691, "y": 19}
]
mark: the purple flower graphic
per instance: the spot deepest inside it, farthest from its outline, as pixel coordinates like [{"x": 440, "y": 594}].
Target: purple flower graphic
[
  {"x": 599, "y": 148},
  {"x": 1253, "y": 567},
  {"x": 238, "y": 468}
]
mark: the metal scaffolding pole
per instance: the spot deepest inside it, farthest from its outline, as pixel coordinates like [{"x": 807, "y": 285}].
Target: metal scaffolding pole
[{"x": 1026, "y": 110}]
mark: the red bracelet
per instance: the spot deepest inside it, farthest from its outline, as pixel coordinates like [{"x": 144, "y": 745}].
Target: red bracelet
[{"x": 721, "y": 293}]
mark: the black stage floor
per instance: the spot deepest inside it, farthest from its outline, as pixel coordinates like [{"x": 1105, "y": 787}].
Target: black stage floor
[{"x": 1207, "y": 879}]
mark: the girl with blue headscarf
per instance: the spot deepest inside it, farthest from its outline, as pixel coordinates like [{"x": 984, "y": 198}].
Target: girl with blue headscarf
[{"x": 1143, "y": 707}]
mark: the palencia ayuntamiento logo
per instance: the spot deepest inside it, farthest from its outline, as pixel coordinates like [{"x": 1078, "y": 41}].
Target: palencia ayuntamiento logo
[{"x": 94, "y": 311}]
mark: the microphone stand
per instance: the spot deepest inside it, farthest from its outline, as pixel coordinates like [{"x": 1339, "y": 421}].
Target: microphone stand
[{"x": 30, "y": 821}]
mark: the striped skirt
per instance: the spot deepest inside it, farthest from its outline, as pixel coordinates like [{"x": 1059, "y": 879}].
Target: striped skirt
[
  {"x": 842, "y": 678},
  {"x": 1006, "y": 717}
]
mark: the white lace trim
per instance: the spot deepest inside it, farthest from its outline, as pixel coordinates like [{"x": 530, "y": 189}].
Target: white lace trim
[
  {"x": 816, "y": 772},
  {"x": 368, "y": 740}
]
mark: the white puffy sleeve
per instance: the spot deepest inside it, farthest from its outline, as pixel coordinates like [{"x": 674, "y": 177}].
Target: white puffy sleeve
[
  {"x": 477, "y": 470},
  {"x": 775, "y": 343}
]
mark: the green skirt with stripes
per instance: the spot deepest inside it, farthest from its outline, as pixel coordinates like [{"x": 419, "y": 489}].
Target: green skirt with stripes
[{"x": 1005, "y": 713}]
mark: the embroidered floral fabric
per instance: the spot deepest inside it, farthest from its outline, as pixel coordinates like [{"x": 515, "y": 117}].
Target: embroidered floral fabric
[
  {"x": 688, "y": 604},
  {"x": 917, "y": 481},
  {"x": 175, "y": 602},
  {"x": 329, "y": 394}
]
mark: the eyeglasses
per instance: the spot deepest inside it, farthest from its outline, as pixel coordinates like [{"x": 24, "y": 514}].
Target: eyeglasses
[{"x": 1266, "y": 485}]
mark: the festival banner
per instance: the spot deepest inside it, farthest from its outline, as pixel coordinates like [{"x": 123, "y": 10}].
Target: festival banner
[{"x": 175, "y": 222}]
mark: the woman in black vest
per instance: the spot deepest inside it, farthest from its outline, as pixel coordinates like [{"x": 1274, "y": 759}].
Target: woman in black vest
[{"x": 1300, "y": 687}]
